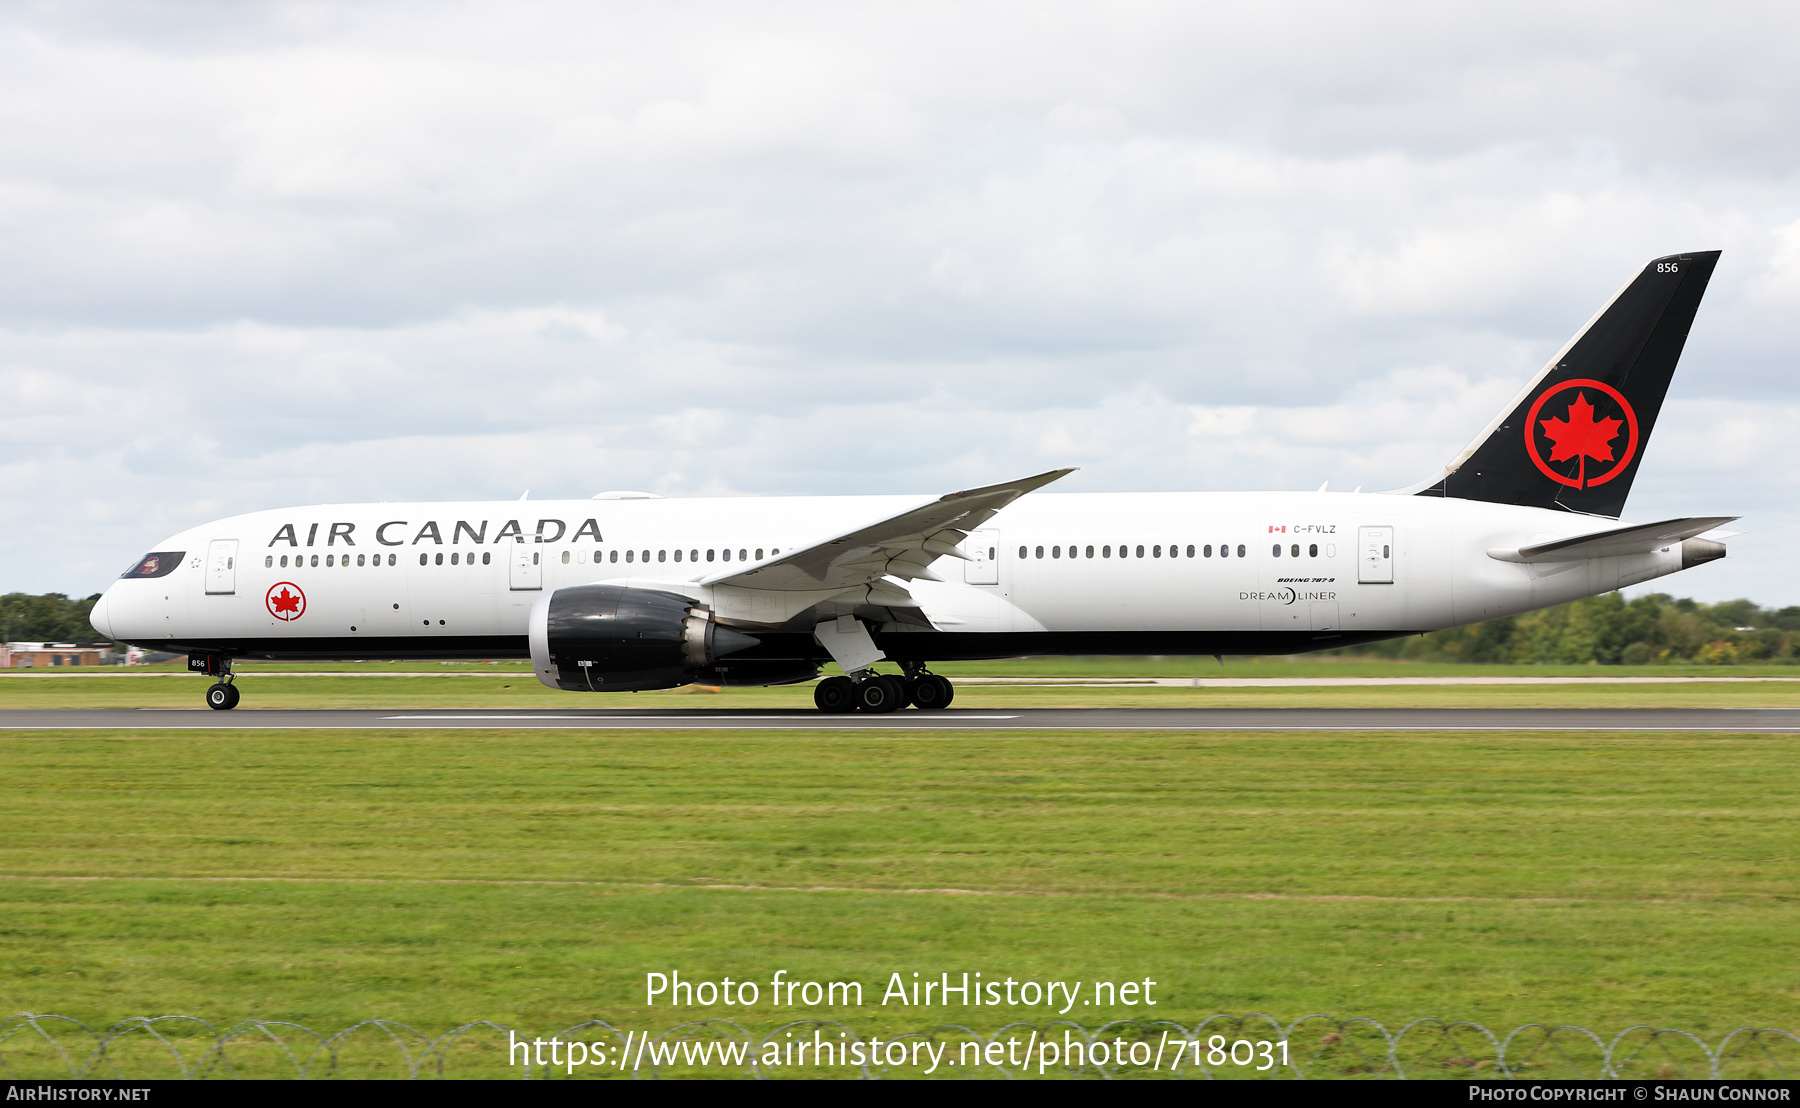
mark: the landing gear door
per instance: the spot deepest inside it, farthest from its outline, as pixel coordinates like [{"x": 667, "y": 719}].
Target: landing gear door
[
  {"x": 525, "y": 565},
  {"x": 221, "y": 567},
  {"x": 983, "y": 568},
  {"x": 1375, "y": 555}
]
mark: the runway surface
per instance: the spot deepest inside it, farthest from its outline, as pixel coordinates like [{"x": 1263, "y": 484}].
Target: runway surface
[{"x": 1740, "y": 720}]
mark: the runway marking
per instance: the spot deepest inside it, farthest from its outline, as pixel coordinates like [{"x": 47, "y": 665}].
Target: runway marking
[
  {"x": 724, "y": 886},
  {"x": 814, "y": 717}
]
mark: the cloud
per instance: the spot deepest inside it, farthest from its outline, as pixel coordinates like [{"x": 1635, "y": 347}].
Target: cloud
[{"x": 300, "y": 252}]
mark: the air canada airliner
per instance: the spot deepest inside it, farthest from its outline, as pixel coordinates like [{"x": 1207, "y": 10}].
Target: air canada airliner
[{"x": 629, "y": 591}]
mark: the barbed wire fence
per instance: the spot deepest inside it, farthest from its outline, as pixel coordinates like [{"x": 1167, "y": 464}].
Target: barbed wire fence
[{"x": 34, "y": 1046}]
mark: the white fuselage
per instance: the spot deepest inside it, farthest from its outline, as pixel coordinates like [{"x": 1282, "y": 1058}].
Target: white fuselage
[{"x": 429, "y": 573}]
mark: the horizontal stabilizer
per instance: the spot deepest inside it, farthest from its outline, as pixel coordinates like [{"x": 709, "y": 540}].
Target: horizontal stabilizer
[{"x": 1641, "y": 539}]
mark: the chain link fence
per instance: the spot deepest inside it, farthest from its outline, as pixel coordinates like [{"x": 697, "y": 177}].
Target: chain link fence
[{"x": 1253, "y": 1046}]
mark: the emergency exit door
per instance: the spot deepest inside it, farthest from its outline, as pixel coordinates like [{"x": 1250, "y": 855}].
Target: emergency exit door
[
  {"x": 221, "y": 567},
  {"x": 525, "y": 566},
  {"x": 983, "y": 566},
  {"x": 1375, "y": 555}
]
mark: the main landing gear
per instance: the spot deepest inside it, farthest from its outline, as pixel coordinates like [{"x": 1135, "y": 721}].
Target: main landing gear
[{"x": 881, "y": 693}]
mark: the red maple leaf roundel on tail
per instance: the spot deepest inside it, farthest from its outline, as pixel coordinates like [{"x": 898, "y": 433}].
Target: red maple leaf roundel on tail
[
  {"x": 285, "y": 601},
  {"x": 1577, "y": 436},
  {"x": 1581, "y": 435}
]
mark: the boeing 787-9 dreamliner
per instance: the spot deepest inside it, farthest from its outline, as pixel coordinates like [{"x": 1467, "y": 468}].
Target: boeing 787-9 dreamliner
[{"x": 630, "y": 591}]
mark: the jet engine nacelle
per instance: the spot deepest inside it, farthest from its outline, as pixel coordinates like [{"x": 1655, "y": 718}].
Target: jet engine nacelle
[{"x": 609, "y": 638}]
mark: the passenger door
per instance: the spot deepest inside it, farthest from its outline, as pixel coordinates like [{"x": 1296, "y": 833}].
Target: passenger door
[
  {"x": 525, "y": 565},
  {"x": 221, "y": 567},
  {"x": 983, "y": 548},
  {"x": 1375, "y": 555}
]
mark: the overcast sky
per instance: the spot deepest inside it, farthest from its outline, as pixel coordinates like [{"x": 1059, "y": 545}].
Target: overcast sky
[{"x": 259, "y": 255}]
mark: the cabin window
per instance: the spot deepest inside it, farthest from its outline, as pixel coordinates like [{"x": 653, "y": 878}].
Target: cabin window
[
  {"x": 1240, "y": 550},
  {"x": 440, "y": 559},
  {"x": 1294, "y": 550},
  {"x": 455, "y": 558},
  {"x": 1312, "y": 551},
  {"x": 284, "y": 561},
  {"x": 424, "y": 558},
  {"x": 1023, "y": 553},
  {"x": 1140, "y": 552},
  {"x": 1090, "y": 553},
  {"x": 1277, "y": 550},
  {"x": 663, "y": 555},
  {"x": 613, "y": 557},
  {"x": 1190, "y": 550},
  {"x": 743, "y": 555},
  {"x": 485, "y": 557},
  {"x": 328, "y": 558},
  {"x": 725, "y": 554},
  {"x": 1056, "y": 552},
  {"x": 1106, "y": 552},
  {"x": 269, "y": 561},
  {"x": 1040, "y": 552},
  {"x": 565, "y": 557},
  {"x": 359, "y": 560},
  {"x": 315, "y": 561},
  {"x": 534, "y": 557},
  {"x": 1385, "y": 553},
  {"x": 678, "y": 555},
  {"x": 629, "y": 554},
  {"x": 646, "y": 557},
  {"x": 1207, "y": 550},
  {"x": 759, "y": 554},
  {"x": 709, "y": 555},
  {"x": 1156, "y": 551}
]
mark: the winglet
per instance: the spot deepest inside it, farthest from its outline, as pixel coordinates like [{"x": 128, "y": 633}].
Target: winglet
[{"x": 1017, "y": 488}]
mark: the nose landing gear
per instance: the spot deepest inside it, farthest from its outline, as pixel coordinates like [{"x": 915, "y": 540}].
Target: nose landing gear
[{"x": 221, "y": 695}]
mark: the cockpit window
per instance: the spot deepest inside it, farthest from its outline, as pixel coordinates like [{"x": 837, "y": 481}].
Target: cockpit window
[{"x": 160, "y": 564}]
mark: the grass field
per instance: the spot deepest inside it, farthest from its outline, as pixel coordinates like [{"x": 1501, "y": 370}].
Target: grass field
[
  {"x": 535, "y": 878},
  {"x": 1599, "y": 879}
]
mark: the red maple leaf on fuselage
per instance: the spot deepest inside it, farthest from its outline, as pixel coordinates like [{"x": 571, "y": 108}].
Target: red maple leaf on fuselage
[
  {"x": 286, "y": 602},
  {"x": 1580, "y": 434}
]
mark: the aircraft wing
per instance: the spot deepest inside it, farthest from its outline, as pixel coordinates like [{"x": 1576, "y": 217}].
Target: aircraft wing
[
  {"x": 1640, "y": 539},
  {"x": 901, "y": 546}
]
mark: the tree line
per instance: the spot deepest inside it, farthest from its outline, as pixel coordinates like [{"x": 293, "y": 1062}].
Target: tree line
[
  {"x": 51, "y": 617},
  {"x": 1610, "y": 630}
]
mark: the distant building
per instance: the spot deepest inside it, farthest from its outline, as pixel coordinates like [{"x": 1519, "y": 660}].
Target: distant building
[{"x": 32, "y": 655}]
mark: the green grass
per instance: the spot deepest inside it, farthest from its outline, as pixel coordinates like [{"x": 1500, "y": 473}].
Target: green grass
[{"x": 326, "y": 877}]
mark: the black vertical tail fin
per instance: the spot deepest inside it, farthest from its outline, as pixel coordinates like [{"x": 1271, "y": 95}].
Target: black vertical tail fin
[{"x": 1575, "y": 436}]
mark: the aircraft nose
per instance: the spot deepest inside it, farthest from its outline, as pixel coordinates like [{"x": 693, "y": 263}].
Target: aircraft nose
[{"x": 98, "y": 616}]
